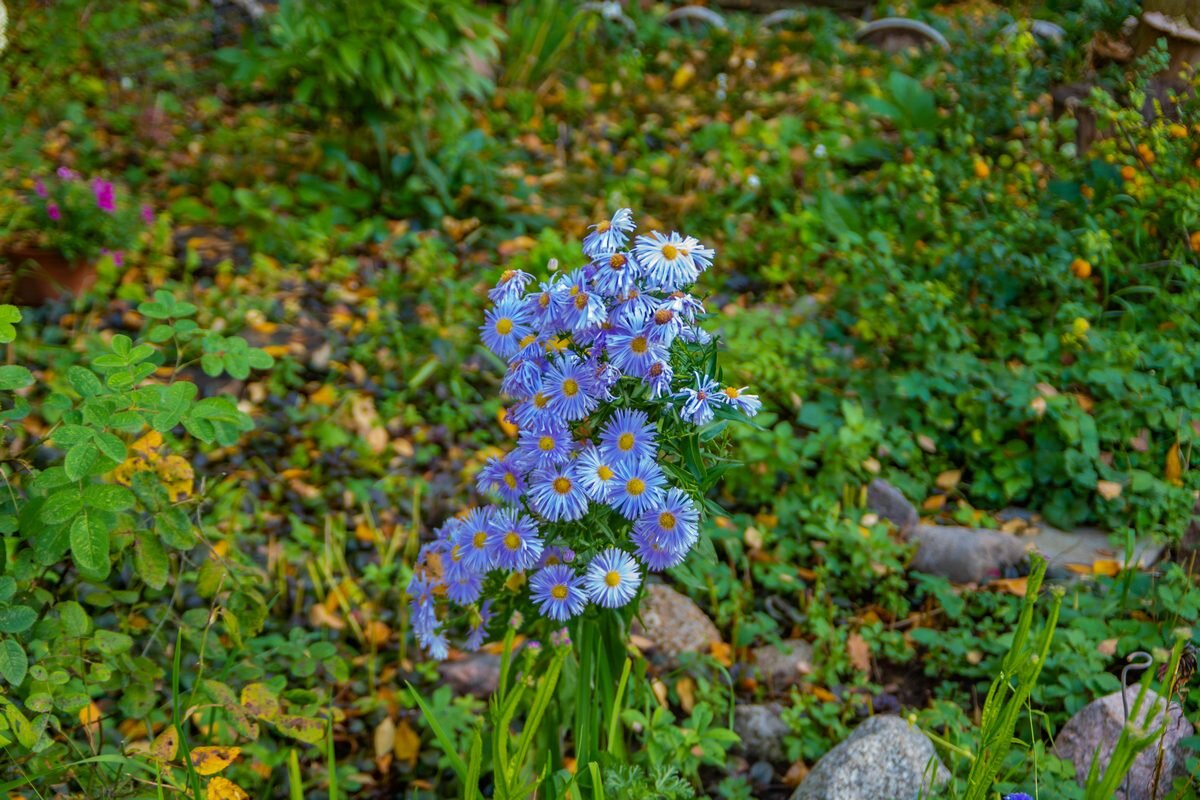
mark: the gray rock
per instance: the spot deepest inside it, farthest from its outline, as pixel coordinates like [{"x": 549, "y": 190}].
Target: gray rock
[
  {"x": 762, "y": 730},
  {"x": 1093, "y": 732},
  {"x": 782, "y": 665},
  {"x": 671, "y": 624},
  {"x": 477, "y": 674},
  {"x": 883, "y": 759},
  {"x": 965, "y": 555},
  {"x": 1083, "y": 546},
  {"x": 890, "y": 503}
]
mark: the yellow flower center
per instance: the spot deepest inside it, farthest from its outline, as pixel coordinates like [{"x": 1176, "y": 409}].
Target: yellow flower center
[
  {"x": 639, "y": 345},
  {"x": 510, "y": 480},
  {"x": 528, "y": 340},
  {"x": 540, "y": 400},
  {"x": 581, "y": 301},
  {"x": 508, "y": 275},
  {"x": 512, "y": 541},
  {"x": 731, "y": 393},
  {"x": 666, "y": 521},
  {"x": 656, "y": 369},
  {"x": 617, "y": 261},
  {"x": 635, "y": 486},
  {"x": 479, "y": 540},
  {"x": 604, "y": 473},
  {"x": 504, "y": 326},
  {"x": 669, "y": 252},
  {"x": 456, "y": 553},
  {"x": 612, "y": 578},
  {"x": 570, "y": 387},
  {"x": 663, "y": 316},
  {"x": 625, "y": 442},
  {"x": 546, "y": 444},
  {"x": 602, "y": 227},
  {"x": 559, "y": 592},
  {"x": 562, "y": 484},
  {"x": 544, "y": 300}
]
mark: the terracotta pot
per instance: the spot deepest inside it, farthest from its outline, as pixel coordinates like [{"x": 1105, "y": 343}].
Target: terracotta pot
[{"x": 39, "y": 276}]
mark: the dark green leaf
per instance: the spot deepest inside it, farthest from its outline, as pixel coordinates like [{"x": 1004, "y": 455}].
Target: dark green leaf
[
  {"x": 16, "y": 619},
  {"x": 13, "y": 662}
]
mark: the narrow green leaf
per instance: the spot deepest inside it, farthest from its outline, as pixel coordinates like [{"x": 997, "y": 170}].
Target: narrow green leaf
[{"x": 448, "y": 744}]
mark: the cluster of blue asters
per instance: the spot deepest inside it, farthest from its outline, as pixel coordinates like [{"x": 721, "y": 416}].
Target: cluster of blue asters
[{"x": 568, "y": 342}]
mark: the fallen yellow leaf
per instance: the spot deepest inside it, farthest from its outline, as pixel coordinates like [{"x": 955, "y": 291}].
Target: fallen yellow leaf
[
  {"x": 1173, "y": 472},
  {"x": 165, "y": 745},
  {"x": 224, "y": 789},
  {"x": 948, "y": 479},
  {"x": 325, "y": 396},
  {"x": 211, "y": 760},
  {"x": 1017, "y": 586},
  {"x": 685, "y": 687},
  {"x": 407, "y": 744},
  {"x": 1105, "y": 566},
  {"x": 1109, "y": 490}
]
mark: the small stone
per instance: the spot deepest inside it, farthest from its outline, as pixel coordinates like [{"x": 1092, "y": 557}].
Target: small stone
[
  {"x": 965, "y": 555},
  {"x": 890, "y": 503},
  {"x": 477, "y": 674},
  {"x": 1097, "y": 726},
  {"x": 671, "y": 624},
  {"x": 783, "y": 665},
  {"x": 884, "y": 757},
  {"x": 762, "y": 730}
]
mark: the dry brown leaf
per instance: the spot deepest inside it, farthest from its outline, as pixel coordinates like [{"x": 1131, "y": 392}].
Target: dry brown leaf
[
  {"x": 754, "y": 539},
  {"x": 1108, "y": 648},
  {"x": 1141, "y": 442},
  {"x": 685, "y": 687},
  {"x": 260, "y": 701},
  {"x": 211, "y": 760},
  {"x": 1109, "y": 490},
  {"x": 934, "y": 502},
  {"x": 1017, "y": 586},
  {"x": 947, "y": 480},
  {"x": 385, "y": 737},
  {"x": 1105, "y": 566},
  {"x": 859, "y": 652},
  {"x": 926, "y": 443}
]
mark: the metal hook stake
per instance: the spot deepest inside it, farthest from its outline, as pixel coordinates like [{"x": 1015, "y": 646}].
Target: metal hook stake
[{"x": 1141, "y": 661}]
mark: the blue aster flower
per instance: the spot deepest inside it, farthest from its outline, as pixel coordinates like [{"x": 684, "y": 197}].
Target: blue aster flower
[
  {"x": 698, "y": 403},
  {"x": 557, "y": 592},
  {"x": 478, "y": 629},
  {"x": 435, "y": 643},
  {"x": 612, "y": 579},
  {"x": 748, "y": 404},
  {"x": 674, "y": 521},
  {"x": 594, "y": 471},
  {"x": 557, "y": 494},
  {"x": 472, "y": 539},
  {"x": 1017, "y": 796},
  {"x": 664, "y": 325},
  {"x": 694, "y": 334},
  {"x": 544, "y": 449},
  {"x": 614, "y": 274},
  {"x": 654, "y": 554},
  {"x": 511, "y": 286},
  {"x": 534, "y": 414},
  {"x": 701, "y": 255},
  {"x": 636, "y": 487},
  {"x": 632, "y": 352},
  {"x": 546, "y": 305},
  {"x": 633, "y": 309},
  {"x": 584, "y": 307},
  {"x": 604, "y": 377},
  {"x": 523, "y": 378},
  {"x": 609, "y": 236},
  {"x": 666, "y": 261},
  {"x": 504, "y": 326},
  {"x": 464, "y": 587},
  {"x": 556, "y": 554},
  {"x": 628, "y": 435},
  {"x": 568, "y": 384},
  {"x": 514, "y": 541},
  {"x": 503, "y": 477},
  {"x": 422, "y": 605},
  {"x": 659, "y": 377}
]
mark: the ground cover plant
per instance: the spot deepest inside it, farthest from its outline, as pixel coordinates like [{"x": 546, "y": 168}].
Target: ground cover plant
[{"x": 234, "y": 468}]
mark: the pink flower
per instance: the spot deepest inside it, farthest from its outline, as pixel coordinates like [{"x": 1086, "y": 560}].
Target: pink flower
[
  {"x": 40, "y": 188},
  {"x": 104, "y": 195},
  {"x": 118, "y": 257},
  {"x": 52, "y": 211},
  {"x": 67, "y": 174},
  {"x": 147, "y": 214}
]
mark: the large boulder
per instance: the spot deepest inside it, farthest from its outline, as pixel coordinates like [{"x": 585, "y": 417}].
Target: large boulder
[
  {"x": 885, "y": 758},
  {"x": 762, "y": 730},
  {"x": 671, "y": 625},
  {"x": 1093, "y": 733}
]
